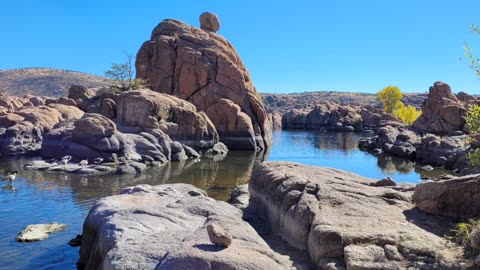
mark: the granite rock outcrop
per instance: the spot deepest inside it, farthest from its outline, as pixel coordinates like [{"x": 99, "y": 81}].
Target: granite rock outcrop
[{"x": 203, "y": 68}]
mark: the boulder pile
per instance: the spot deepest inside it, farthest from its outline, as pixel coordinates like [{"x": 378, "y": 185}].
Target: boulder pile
[
  {"x": 333, "y": 117},
  {"x": 438, "y": 137}
]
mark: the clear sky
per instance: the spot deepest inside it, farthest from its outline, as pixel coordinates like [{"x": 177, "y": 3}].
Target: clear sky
[{"x": 288, "y": 46}]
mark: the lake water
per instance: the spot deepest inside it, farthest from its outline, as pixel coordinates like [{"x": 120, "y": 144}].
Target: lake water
[{"x": 40, "y": 197}]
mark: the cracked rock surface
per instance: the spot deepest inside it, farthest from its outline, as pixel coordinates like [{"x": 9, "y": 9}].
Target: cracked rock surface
[
  {"x": 344, "y": 223},
  {"x": 164, "y": 227}
]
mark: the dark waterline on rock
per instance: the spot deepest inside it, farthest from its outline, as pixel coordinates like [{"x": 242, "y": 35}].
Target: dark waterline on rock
[{"x": 41, "y": 197}]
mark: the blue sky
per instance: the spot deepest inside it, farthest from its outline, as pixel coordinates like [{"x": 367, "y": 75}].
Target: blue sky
[{"x": 288, "y": 46}]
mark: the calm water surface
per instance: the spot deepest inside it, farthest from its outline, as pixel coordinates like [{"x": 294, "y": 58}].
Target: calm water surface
[{"x": 40, "y": 197}]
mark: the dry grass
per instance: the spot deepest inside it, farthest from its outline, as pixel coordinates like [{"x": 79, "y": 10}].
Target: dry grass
[{"x": 45, "y": 81}]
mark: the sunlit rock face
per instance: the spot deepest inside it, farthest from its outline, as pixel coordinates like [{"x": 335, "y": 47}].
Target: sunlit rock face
[
  {"x": 346, "y": 221},
  {"x": 165, "y": 227},
  {"x": 443, "y": 113},
  {"x": 203, "y": 68},
  {"x": 24, "y": 122}
]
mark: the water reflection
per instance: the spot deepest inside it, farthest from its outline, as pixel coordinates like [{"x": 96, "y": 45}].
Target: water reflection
[
  {"x": 393, "y": 164},
  {"x": 346, "y": 141},
  {"x": 43, "y": 197}
]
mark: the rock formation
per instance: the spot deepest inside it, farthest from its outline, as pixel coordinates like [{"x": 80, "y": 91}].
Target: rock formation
[
  {"x": 177, "y": 118},
  {"x": 334, "y": 117},
  {"x": 165, "y": 227},
  {"x": 22, "y": 129},
  {"x": 442, "y": 112},
  {"x": 38, "y": 232},
  {"x": 457, "y": 197},
  {"x": 345, "y": 223},
  {"x": 203, "y": 68},
  {"x": 95, "y": 136},
  {"x": 437, "y": 138},
  {"x": 135, "y": 126}
]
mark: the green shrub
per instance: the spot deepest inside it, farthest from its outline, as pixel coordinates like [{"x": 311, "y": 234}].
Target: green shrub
[
  {"x": 473, "y": 122},
  {"x": 464, "y": 229}
]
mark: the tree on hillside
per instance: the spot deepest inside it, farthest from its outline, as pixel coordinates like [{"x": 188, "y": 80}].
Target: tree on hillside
[
  {"x": 390, "y": 97},
  {"x": 122, "y": 75}
]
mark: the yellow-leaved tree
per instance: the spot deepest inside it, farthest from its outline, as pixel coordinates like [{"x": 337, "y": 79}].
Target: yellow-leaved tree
[
  {"x": 408, "y": 114},
  {"x": 390, "y": 97}
]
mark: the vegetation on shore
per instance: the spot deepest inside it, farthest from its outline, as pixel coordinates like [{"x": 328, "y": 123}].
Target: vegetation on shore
[
  {"x": 391, "y": 97},
  {"x": 473, "y": 114},
  {"x": 122, "y": 76}
]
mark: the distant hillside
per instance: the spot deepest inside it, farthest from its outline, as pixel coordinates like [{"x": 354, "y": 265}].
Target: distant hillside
[
  {"x": 45, "y": 81},
  {"x": 285, "y": 102},
  {"x": 56, "y": 82}
]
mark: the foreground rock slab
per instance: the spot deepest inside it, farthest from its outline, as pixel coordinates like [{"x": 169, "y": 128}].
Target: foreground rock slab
[
  {"x": 345, "y": 223},
  {"x": 458, "y": 197},
  {"x": 37, "y": 232},
  {"x": 165, "y": 227}
]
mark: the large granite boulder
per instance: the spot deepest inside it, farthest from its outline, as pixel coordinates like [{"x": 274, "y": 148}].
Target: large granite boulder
[
  {"x": 92, "y": 136},
  {"x": 345, "y": 223},
  {"x": 22, "y": 131},
  {"x": 457, "y": 197},
  {"x": 83, "y": 96},
  {"x": 152, "y": 110},
  {"x": 95, "y": 136},
  {"x": 203, "y": 68},
  {"x": 442, "y": 112},
  {"x": 448, "y": 151},
  {"x": 165, "y": 227},
  {"x": 400, "y": 142}
]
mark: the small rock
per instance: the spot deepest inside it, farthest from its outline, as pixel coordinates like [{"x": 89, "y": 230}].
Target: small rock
[
  {"x": 76, "y": 242},
  {"x": 387, "y": 181},
  {"x": 427, "y": 168},
  {"x": 37, "y": 232},
  {"x": 218, "y": 235}
]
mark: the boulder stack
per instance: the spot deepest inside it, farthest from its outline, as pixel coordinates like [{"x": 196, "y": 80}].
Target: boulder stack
[
  {"x": 442, "y": 112},
  {"x": 203, "y": 68}
]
